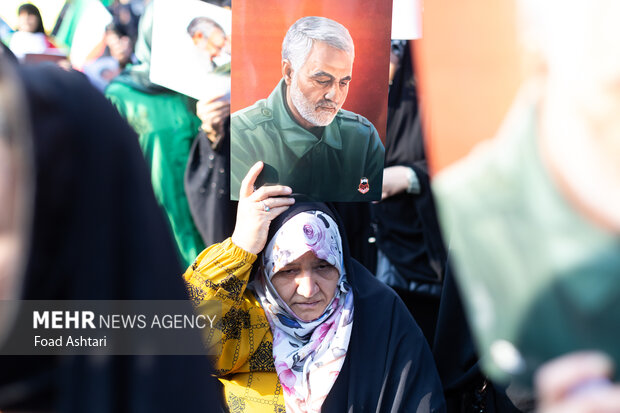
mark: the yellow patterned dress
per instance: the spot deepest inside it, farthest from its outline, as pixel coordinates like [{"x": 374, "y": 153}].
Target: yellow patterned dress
[{"x": 245, "y": 364}]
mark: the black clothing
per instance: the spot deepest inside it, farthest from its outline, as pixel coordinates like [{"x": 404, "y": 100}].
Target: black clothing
[
  {"x": 406, "y": 224},
  {"x": 379, "y": 374},
  {"x": 466, "y": 389},
  {"x": 97, "y": 234},
  {"x": 207, "y": 186}
]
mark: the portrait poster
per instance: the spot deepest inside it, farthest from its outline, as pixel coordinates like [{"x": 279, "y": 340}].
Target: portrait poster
[
  {"x": 334, "y": 150},
  {"x": 190, "y": 50}
]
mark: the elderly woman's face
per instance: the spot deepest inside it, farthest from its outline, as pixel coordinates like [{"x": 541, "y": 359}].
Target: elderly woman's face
[{"x": 307, "y": 285}]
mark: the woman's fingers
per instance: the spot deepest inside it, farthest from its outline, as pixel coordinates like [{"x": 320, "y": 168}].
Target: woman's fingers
[
  {"x": 257, "y": 209},
  {"x": 270, "y": 204},
  {"x": 274, "y": 212},
  {"x": 253, "y": 223},
  {"x": 269, "y": 191},
  {"x": 247, "y": 185}
]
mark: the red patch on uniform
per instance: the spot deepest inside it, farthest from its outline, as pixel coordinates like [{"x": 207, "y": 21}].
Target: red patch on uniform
[{"x": 364, "y": 187}]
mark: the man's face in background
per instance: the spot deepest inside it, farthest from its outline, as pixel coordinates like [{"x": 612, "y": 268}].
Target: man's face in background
[
  {"x": 319, "y": 88},
  {"x": 212, "y": 45}
]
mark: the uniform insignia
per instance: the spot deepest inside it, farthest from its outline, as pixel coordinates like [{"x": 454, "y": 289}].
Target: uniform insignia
[{"x": 364, "y": 187}]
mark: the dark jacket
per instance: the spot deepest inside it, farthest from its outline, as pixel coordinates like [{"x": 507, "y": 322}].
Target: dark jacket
[
  {"x": 389, "y": 366},
  {"x": 207, "y": 186},
  {"x": 97, "y": 234}
]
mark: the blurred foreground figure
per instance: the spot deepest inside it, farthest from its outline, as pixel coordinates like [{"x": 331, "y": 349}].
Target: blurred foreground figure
[
  {"x": 533, "y": 216},
  {"x": 15, "y": 189},
  {"x": 96, "y": 233}
]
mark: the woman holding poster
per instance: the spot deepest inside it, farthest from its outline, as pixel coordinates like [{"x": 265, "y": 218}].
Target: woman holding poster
[{"x": 307, "y": 328}]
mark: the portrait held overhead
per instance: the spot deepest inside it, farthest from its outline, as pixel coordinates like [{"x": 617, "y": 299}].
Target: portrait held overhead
[{"x": 300, "y": 131}]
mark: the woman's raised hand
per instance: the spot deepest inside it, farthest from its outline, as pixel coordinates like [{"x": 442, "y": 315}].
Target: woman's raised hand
[{"x": 256, "y": 210}]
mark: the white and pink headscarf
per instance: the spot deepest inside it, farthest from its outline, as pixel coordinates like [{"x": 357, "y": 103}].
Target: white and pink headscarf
[{"x": 309, "y": 355}]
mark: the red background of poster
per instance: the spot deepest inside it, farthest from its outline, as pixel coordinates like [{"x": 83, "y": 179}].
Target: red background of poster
[
  {"x": 468, "y": 71},
  {"x": 258, "y": 28}
]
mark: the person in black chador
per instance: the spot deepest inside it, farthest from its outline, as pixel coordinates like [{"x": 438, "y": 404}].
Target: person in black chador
[
  {"x": 96, "y": 234},
  {"x": 411, "y": 255}
]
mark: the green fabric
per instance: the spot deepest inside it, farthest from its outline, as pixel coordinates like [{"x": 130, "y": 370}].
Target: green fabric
[
  {"x": 533, "y": 271},
  {"x": 328, "y": 169},
  {"x": 166, "y": 129},
  {"x": 70, "y": 21}
]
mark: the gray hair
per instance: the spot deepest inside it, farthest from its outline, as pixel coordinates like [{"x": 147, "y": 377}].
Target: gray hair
[
  {"x": 205, "y": 25},
  {"x": 304, "y": 32}
]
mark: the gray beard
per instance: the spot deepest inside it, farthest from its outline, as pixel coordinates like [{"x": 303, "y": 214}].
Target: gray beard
[{"x": 307, "y": 109}]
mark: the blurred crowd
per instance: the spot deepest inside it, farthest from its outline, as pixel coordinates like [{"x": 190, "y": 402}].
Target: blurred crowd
[{"x": 112, "y": 185}]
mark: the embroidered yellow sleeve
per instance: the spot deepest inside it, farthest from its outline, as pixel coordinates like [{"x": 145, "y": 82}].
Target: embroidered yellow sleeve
[{"x": 221, "y": 272}]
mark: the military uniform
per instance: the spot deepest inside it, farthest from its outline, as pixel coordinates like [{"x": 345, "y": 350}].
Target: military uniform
[{"x": 344, "y": 164}]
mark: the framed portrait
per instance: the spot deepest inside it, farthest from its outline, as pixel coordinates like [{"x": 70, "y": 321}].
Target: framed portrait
[{"x": 309, "y": 96}]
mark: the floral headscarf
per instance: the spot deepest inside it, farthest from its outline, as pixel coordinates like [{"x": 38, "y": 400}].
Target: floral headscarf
[
  {"x": 307, "y": 231},
  {"x": 308, "y": 356}
]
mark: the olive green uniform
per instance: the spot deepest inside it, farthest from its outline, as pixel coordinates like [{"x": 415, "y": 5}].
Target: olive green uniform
[
  {"x": 332, "y": 167},
  {"x": 535, "y": 272}
]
